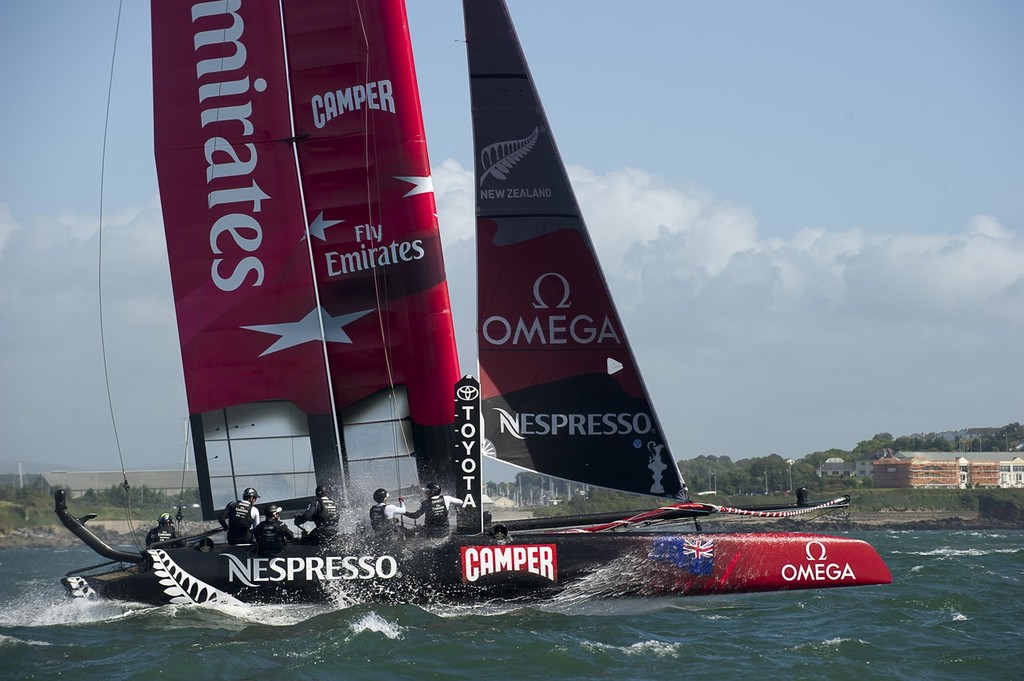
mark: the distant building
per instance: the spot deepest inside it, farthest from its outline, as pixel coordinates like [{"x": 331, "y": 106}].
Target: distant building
[
  {"x": 1011, "y": 472},
  {"x": 865, "y": 466},
  {"x": 969, "y": 433},
  {"x": 79, "y": 482},
  {"x": 837, "y": 468},
  {"x": 503, "y": 502},
  {"x": 949, "y": 470}
]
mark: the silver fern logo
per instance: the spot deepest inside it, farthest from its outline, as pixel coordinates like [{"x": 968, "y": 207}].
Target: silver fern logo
[
  {"x": 180, "y": 586},
  {"x": 499, "y": 158}
]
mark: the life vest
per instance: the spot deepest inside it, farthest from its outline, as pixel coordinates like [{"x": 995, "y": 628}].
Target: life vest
[
  {"x": 159, "y": 534},
  {"x": 327, "y": 513},
  {"x": 378, "y": 521},
  {"x": 437, "y": 512},
  {"x": 241, "y": 518},
  {"x": 270, "y": 539}
]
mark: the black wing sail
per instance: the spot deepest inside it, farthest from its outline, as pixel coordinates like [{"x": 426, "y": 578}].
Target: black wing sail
[{"x": 561, "y": 389}]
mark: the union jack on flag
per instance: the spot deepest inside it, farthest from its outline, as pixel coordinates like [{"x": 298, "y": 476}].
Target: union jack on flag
[
  {"x": 695, "y": 554},
  {"x": 699, "y": 548}
]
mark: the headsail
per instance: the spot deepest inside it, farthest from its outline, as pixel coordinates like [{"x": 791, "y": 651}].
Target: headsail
[
  {"x": 561, "y": 390},
  {"x": 303, "y": 245}
]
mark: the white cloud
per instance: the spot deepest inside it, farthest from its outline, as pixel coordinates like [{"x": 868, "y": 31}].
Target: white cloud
[
  {"x": 7, "y": 225},
  {"x": 455, "y": 195},
  {"x": 54, "y": 404},
  {"x": 749, "y": 345},
  {"x": 753, "y": 345}
]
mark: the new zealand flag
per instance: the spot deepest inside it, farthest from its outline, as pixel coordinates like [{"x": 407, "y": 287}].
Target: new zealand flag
[{"x": 696, "y": 554}]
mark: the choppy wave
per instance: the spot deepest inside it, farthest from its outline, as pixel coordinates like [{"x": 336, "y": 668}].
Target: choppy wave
[
  {"x": 644, "y": 648},
  {"x": 950, "y": 613},
  {"x": 374, "y": 622}
]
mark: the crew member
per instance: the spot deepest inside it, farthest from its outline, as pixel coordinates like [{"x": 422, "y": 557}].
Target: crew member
[
  {"x": 324, "y": 513},
  {"x": 384, "y": 516},
  {"x": 164, "y": 530},
  {"x": 241, "y": 517},
  {"x": 272, "y": 535},
  {"x": 436, "y": 507}
]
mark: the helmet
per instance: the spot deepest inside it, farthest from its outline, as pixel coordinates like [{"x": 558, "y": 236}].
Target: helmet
[
  {"x": 380, "y": 496},
  {"x": 164, "y": 519},
  {"x": 274, "y": 510},
  {"x": 321, "y": 491},
  {"x": 431, "y": 489},
  {"x": 250, "y": 492}
]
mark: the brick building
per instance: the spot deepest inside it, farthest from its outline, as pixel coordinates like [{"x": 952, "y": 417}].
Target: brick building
[{"x": 951, "y": 471}]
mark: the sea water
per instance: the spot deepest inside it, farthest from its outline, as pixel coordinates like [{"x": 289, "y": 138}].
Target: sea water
[{"x": 955, "y": 610}]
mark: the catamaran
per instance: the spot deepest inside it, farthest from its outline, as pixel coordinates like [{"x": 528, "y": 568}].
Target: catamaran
[{"x": 318, "y": 345}]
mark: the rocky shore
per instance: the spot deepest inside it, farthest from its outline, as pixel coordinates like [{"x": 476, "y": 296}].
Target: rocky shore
[{"x": 116, "y": 534}]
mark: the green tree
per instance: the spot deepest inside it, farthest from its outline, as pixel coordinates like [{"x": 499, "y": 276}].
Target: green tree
[{"x": 879, "y": 441}]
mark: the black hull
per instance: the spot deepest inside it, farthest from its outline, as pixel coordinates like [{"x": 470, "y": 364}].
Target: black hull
[
  {"x": 479, "y": 569},
  {"x": 522, "y": 565}
]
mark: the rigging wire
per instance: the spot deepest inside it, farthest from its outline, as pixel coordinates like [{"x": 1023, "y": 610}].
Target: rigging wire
[
  {"x": 398, "y": 436},
  {"x": 99, "y": 275},
  {"x": 316, "y": 287},
  {"x": 184, "y": 469}
]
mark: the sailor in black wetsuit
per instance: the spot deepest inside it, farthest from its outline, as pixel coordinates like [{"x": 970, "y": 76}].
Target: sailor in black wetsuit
[
  {"x": 272, "y": 535},
  {"x": 324, "y": 513},
  {"x": 164, "y": 530},
  {"x": 240, "y": 518},
  {"x": 384, "y": 516},
  {"x": 435, "y": 506}
]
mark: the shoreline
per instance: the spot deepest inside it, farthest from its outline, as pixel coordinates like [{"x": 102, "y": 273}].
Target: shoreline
[{"x": 56, "y": 536}]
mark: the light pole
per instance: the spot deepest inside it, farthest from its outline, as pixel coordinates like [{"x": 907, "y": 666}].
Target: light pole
[{"x": 790, "y": 462}]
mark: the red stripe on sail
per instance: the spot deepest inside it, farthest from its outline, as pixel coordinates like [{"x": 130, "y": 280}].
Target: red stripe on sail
[
  {"x": 365, "y": 174},
  {"x": 232, "y": 212}
]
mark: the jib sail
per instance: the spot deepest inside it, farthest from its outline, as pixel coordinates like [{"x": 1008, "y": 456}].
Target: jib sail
[{"x": 561, "y": 390}]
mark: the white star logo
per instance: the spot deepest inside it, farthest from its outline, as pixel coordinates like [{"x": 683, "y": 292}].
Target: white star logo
[
  {"x": 308, "y": 329},
  {"x": 421, "y": 185},
  {"x": 319, "y": 226}
]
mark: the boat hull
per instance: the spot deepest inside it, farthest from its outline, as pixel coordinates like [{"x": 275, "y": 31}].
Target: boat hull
[{"x": 479, "y": 568}]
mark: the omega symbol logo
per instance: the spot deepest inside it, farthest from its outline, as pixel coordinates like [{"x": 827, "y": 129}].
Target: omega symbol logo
[
  {"x": 467, "y": 392},
  {"x": 815, "y": 551},
  {"x": 539, "y": 302}
]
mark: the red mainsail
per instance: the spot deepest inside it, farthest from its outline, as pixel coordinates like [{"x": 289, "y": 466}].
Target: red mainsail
[
  {"x": 301, "y": 230},
  {"x": 366, "y": 177}
]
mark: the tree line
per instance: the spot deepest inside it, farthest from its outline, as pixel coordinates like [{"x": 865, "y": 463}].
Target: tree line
[{"x": 771, "y": 474}]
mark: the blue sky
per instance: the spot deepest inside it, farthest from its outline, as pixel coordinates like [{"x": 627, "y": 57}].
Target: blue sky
[{"x": 812, "y": 214}]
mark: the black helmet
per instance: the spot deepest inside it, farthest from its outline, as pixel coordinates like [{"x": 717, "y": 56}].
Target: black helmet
[
  {"x": 274, "y": 510},
  {"x": 321, "y": 491},
  {"x": 250, "y": 492},
  {"x": 431, "y": 489},
  {"x": 164, "y": 519},
  {"x": 380, "y": 496}
]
